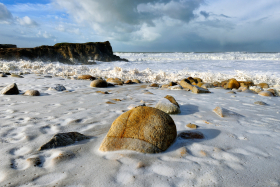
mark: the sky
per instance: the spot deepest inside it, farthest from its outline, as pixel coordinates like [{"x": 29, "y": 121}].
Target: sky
[{"x": 145, "y": 25}]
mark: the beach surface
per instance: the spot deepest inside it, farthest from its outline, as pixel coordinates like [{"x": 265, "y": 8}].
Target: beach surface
[{"x": 240, "y": 149}]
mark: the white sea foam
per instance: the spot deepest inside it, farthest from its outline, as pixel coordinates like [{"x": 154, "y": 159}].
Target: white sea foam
[{"x": 164, "y": 67}]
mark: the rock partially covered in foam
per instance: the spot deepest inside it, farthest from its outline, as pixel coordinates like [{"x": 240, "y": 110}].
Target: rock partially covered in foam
[
  {"x": 32, "y": 93},
  {"x": 11, "y": 89},
  {"x": 57, "y": 87},
  {"x": 143, "y": 129},
  {"x": 266, "y": 94},
  {"x": 197, "y": 90},
  {"x": 168, "y": 105}
]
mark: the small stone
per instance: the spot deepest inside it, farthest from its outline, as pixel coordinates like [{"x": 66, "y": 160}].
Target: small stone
[
  {"x": 266, "y": 94},
  {"x": 58, "y": 87},
  {"x": 32, "y": 93},
  {"x": 203, "y": 153},
  {"x": 140, "y": 165},
  {"x": 148, "y": 93},
  {"x": 219, "y": 111},
  {"x": 154, "y": 85},
  {"x": 103, "y": 92},
  {"x": 86, "y": 77},
  {"x": 260, "y": 103},
  {"x": 191, "y": 135},
  {"x": 117, "y": 100},
  {"x": 11, "y": 89},
  {"x": 192, "y": 126},
  {"x": 109, "y": 102},
  {"x": 183, "y": 151},
  {"x": 231, "y": 92},
  {"x": 64, "y": 156},
  {"x": 99, "y": 83},
  {"x": 16, "y": 76},
  {"x": 63, "y": 139},
  {"x": 48, "y": 76},
  {"x": 207, "y": 85}
]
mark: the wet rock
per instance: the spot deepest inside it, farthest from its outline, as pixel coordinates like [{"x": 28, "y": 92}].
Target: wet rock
[
  {"x": 148, "y": 93},
  {"x": 232, "y": 83},
  {"x": 115, "y": 81},
  {"x": 154, "y": 85},
  {"x": 266, "y": 94},
  {"x": 143, "y": 129},
  {"x": 191, "y": 135},
  {"x": 172, "y": 84},
  {"x": 32, "y": 93},
  {"x": 86, "y": 77},
  {"x": 185, "y": 84},
  {"x": 99, "y": 83},
  {"x": 197, "y": 79},
  {"x": 128, "y": 82},
  {"x": 11, "y": 89},
  {"x": 260, "y": 103},
  {"x": 136, "y": 81},
  {"x": 198, "y": 90},
  {"x": 58, "y": 87},
  {"x": 63, "y": 139},
  {"x": 109, "y": 102},
  {"x": 64, "y": 156}
]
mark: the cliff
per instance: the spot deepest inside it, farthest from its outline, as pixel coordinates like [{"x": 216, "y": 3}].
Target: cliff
[{"x": 70, "y": 53}]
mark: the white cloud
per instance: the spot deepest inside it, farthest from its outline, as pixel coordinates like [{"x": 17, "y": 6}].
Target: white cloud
[
  {"x": 27, "y": 21},
  {"x": 44, "y": 34}
]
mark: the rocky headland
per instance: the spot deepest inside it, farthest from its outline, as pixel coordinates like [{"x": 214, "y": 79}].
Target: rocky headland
[{"x": 70, "y": 53}]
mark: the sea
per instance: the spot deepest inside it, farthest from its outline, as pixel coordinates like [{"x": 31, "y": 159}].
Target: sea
[{"x": 166, "y": 67}]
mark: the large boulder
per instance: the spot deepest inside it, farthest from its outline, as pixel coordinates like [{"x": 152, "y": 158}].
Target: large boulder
[
  {"x": 233, "y": 83},
  {"x": 11, "y": 89},
  {"x": 99, "y": 83},
  {"x": 143, "y": 129}
]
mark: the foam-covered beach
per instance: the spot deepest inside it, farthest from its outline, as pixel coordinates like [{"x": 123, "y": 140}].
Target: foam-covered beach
[{"x": 239, "y": 149}]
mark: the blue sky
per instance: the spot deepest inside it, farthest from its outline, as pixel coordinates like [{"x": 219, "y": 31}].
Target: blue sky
[{"x": 145, "y": 25}]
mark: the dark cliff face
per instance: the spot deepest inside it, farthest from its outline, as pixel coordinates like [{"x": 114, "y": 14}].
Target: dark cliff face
[{"x": 70, "y": 53}]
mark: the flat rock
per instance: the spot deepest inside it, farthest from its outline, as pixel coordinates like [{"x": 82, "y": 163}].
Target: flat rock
[
  {"x": 16, "y": 76},
  {"x": 197, "y": 90},
  {"x": 260, "y": 103},
  {"x": 32, "y": 93},
  {"x": 143, "y": 129},
  {"x": 63, "y": 139},
  {"x": 185, "y": 84},
  {"x": 11, "y": 89},
  {"x": 266, "y": 94},
  {"x": 99, "y": 83},
  {"x": 57, "y": 87},
  {"x": 231, "y": 92},
  {"x": 191, "y": 135}
]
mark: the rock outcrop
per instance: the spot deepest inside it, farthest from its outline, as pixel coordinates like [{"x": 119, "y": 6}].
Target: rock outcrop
[
  {"x": 70, "y": 53},
  {"x": 4, "y": 46}
]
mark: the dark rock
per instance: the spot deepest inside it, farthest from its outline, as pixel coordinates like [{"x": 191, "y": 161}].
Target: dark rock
[
  {"x": 63, "y": 139},
  {"x": 260, "y": 103},
  {"x": 99, "y": 83},
  {"x": 11, "y": 89},
  {"x": 69, "y": 53},
  {"x": 191, "y": 135},
  {"x": 4, "y": 46}
]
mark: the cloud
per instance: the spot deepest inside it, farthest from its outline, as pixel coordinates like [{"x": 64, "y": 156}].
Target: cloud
[
  {"x": 5, "y": 14},
  {"x": 129, "y": 19},
  {"x": 44, "y": 34},
  {"x": 27, "y": 21},
  {"x": 205, "y": 14}
]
